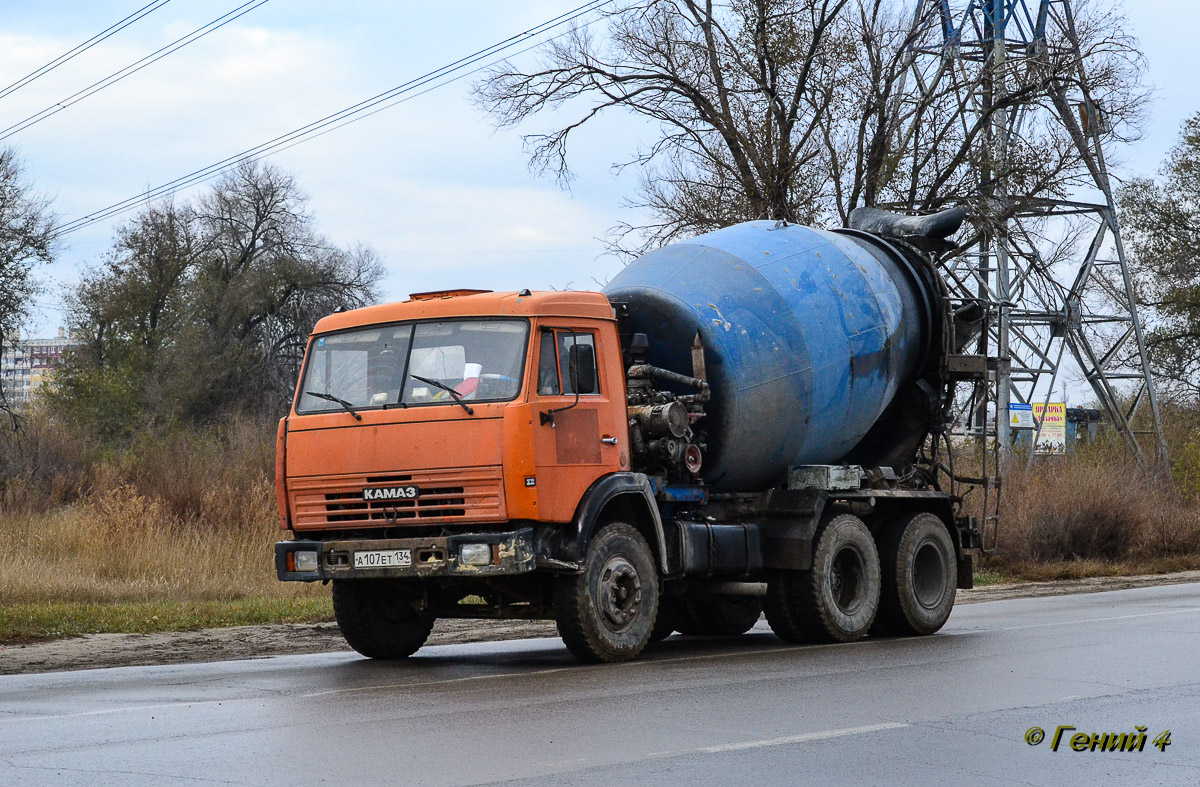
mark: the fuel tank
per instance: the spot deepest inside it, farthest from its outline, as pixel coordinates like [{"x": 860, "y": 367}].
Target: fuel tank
[{"x": 809, "y": 337}]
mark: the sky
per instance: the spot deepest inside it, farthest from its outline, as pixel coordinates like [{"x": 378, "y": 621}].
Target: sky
[{"x": 444, "y": 197}]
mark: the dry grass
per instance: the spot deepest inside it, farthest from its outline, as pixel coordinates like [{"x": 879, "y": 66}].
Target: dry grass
[
  {"x": 117, "y": 545},
  {"x": 45, "y": 465},
  {"x": 186, "y": 519},
  {"x": 1094, "y": 513}
]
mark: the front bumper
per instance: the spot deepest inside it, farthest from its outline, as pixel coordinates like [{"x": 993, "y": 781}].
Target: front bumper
[{"x": 512, "y": 553}]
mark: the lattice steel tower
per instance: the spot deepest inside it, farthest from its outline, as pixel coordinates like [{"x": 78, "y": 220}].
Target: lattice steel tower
[{"x": 1052, "y": 303}]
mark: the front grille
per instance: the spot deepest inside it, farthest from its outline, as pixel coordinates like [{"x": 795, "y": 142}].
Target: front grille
[
  {"x": 432, "y": 503},
  {"x": 473, "y": 495}
]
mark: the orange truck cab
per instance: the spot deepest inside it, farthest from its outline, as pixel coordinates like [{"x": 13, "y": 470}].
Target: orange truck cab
[{"x": 451, "y": 446}]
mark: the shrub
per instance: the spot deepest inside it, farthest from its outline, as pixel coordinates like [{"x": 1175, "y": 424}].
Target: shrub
[
  {"x": 45, "y": 464},
  {"x": 1095, "y": 505},
  {"x": 182, "y": 515}
]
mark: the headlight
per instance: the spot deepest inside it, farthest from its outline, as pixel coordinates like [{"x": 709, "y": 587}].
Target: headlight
[
  {"x": 306, "y": 561},
  {"x": 475, "y": 554}
]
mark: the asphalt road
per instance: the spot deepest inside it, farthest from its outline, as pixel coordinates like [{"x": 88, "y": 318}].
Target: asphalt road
[{"x": 954, "y": 707}]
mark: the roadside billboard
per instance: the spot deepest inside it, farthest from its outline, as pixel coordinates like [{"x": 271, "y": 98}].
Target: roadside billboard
[{"x": 1053, "y": 418}]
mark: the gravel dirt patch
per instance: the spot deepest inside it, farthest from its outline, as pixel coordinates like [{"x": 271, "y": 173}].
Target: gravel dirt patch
[{"x": 94, "y": 651}]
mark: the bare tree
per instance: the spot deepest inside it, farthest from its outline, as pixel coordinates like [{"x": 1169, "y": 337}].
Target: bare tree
[
  {"x": 264, "y": 277},
  {"x": 805, "y": 109},
  {"x": 737, "y": 90}
]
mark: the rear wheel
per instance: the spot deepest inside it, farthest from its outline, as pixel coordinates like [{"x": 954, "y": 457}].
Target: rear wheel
[
  {"x": 378, "y": 620},
  {"x": 920, "y": 577},
  {"x": 706, "y": 614},
  {"x": 837, "y": 598},
  {"x": 607, "y": 612}
]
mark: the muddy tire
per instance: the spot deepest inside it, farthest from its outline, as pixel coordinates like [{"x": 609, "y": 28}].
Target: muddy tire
[
  {"x": 834, "y": 601},
  {"x": 709, "y": 615},
  {"x": 378, "y": 620},
  {"x": 607, "y": 613},
  {"x": 920, "y": 577}
]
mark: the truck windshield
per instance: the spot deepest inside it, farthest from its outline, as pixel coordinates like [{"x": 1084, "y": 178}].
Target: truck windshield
[{"x": 482, "y": 360}]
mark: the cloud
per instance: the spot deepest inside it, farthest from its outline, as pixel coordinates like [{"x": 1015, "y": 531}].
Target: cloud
[
  {"x": 439, "y": 235},
  {"x": 444, "y": 197}
]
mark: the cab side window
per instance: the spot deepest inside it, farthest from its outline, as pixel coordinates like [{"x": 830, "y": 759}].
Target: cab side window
[
  {"x": 587, "y": 357},
  {"x": 554, "y": 369}
]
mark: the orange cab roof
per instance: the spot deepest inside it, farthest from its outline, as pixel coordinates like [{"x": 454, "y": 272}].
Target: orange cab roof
[{"x": 476, "y": 304}]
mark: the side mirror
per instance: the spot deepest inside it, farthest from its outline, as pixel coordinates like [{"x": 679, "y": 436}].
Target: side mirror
[{"x": 581, "y": 361}]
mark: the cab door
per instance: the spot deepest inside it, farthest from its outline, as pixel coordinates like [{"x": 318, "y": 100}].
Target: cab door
[{"x": 579, "y": 425}]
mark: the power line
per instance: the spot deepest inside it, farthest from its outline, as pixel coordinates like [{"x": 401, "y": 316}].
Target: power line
[
  {"x": 359, "y": 111},
  {"x": 492, "y": 251},
  {"x": 85, "y": 46},
  {"x": 327, "y": 128},
  {"x": 336, "y": 120},
  {"x": 132, "y": 68}
]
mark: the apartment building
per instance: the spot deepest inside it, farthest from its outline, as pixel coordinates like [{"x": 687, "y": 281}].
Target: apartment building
[{"x": 28, "y": 364}]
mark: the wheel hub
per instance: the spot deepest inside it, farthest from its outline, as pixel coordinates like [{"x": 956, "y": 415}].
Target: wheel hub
[
  {"x": 846, "y": 580},
  {"x": 929, "y": 575},
  {"x": 620, "y": 592}
]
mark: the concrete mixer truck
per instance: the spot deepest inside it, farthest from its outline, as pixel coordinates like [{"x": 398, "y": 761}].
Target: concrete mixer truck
[{"x": 740, "y": 423}]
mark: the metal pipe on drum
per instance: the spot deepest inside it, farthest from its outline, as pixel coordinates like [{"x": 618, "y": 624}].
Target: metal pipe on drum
[{"x": 809, "y": 334}]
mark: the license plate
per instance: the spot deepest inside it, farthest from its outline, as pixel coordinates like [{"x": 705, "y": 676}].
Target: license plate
[{"x": 383, "y": 558}]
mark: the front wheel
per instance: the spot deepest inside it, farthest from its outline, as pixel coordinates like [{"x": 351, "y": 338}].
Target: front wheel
[
  {"x": 378, "y": 620},
  {"x": 607, "y": 612},
  {"x": 835, "y": 600}
]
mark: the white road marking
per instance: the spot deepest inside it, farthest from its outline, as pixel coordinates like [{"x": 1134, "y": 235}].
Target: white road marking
[
  {"x": 803, "y": 738},
  {"x": 567, "y": 766},
  {"x": 1094, "y": 620},
  {"x": 131, "y": 709}
]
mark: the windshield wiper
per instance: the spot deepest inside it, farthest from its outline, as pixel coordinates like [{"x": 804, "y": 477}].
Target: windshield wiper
[
  {"x": 453, "y": 393},
  {"x": 331, "y": 398}
]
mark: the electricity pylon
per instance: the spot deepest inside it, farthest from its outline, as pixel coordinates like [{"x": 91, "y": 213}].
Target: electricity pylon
[{"x": 1052, "y": 304}]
